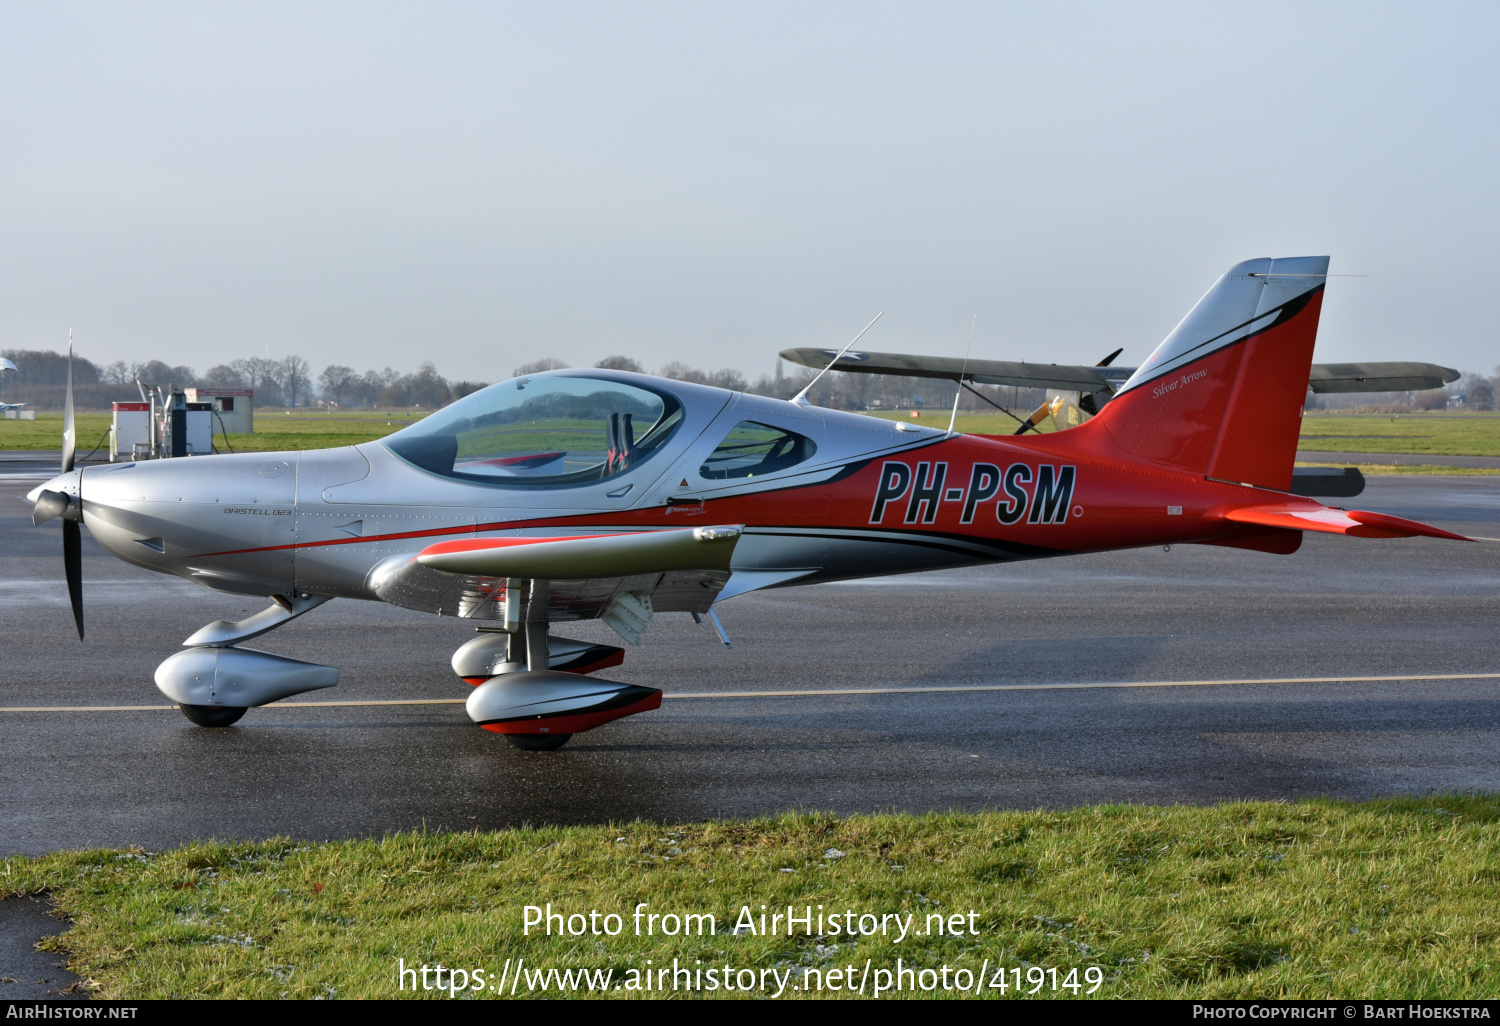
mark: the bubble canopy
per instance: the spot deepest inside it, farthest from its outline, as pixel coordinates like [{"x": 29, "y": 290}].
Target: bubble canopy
[{"x": 545, "y": 430}]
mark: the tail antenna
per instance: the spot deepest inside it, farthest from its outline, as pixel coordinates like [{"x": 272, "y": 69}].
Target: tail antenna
[{"x": 801, "y": 397}]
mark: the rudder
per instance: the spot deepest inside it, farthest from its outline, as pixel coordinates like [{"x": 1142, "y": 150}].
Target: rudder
[{"x": 1223, "y": 394}]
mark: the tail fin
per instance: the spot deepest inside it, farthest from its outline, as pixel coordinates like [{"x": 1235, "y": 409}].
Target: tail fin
[{"x": 1222, "y": 396}]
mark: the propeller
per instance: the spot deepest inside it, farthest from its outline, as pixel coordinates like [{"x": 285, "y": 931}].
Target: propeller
[{"x": 50, "y": 504}]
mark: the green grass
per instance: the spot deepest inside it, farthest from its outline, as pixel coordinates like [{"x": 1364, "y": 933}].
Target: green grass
[
  {"x": 1449, "y": 434},
  {"x": 275, "y": 431},
  {"x": 1387, "y": 899},
  {"x": 1425, "y": 469}
]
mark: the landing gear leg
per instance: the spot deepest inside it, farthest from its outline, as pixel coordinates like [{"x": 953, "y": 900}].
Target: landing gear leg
[
  {"x": 537, "y": 626},
  {"x": 540, "y": 704},
  {"x": 538, "y": 658}
]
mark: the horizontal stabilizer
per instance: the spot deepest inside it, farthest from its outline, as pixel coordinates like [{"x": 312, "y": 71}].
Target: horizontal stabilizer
[
  {"x": 1315, "y": 517},
  {"x": 586, "y": 557}
]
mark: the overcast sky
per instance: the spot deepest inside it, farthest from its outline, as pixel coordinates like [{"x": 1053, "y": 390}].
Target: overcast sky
[{"x": 483, "y": 184}]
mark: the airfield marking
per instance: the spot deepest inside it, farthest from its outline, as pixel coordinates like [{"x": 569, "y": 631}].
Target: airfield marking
[{"x": 822, "y": 693}]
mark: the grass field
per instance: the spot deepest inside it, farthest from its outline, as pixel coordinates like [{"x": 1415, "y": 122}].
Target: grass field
[
  {"x": 274, "y": 430},
  {"x": 1388, "y": 899},
  {"x": 1441, "y": 434},
  {"x": 1428, "y": 434},
  {"x": 1423, "y": 469},
  {"x": 1450, "y": 434}
]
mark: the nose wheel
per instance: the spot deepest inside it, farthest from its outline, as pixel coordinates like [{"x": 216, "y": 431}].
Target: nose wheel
[
  {"x": 538, "y": 742},
  {"x": 215, "y": 715}
]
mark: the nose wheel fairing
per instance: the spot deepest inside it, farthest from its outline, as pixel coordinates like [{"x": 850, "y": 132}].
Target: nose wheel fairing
[
  {"x": 238, "y": 677},
  {"x": 211, "y": 678}
]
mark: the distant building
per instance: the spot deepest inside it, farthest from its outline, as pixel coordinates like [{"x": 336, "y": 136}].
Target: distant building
[{"x": 234, "y": 406}]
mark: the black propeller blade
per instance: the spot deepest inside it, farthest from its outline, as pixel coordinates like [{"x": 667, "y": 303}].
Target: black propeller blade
[
  {"x": 73, "y": 568},
  {"x": 72, "y": 537}
]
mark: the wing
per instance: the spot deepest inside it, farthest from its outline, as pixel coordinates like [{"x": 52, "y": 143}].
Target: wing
[
  {"x": 1065, "y": 377},
  {"x": 623, "y": 578}
]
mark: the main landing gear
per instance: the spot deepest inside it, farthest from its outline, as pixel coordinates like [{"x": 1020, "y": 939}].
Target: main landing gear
[{"x": 530, "y": 687}]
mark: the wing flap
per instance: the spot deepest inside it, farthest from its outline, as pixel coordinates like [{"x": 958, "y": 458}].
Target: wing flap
[
  {"x": 1357, "y": 523},
  {"x": 587, "y": 557}
]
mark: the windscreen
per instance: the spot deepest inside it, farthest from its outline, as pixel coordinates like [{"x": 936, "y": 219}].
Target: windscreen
[{"x": 542, "y": 430}]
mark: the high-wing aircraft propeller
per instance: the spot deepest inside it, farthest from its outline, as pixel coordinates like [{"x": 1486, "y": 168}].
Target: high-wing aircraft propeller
[{"x": 618, "y": 497}]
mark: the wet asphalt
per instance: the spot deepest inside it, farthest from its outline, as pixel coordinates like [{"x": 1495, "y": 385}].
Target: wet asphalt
[{"x": 1341, "y": 607}]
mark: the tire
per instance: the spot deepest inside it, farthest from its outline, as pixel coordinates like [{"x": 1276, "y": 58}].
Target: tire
[
  {"x": 212, "y": 715},
  {"x": 538, "y": 742}
]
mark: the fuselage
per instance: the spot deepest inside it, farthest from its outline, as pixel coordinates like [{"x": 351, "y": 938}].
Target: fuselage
[{"x": 871, "y": 497}]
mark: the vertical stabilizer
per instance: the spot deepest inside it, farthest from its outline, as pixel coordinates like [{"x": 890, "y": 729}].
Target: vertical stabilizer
[{"x": 1222, "y": 396}]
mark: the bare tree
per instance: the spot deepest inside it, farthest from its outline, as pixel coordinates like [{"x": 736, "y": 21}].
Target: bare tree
[
  {"x": 725, "y": 377},
  {"x": 296, "y": 376},
  {"x": 224, "y": 376},
  {"x": 463, "y": 388},
  {"x": 1482, "y": 395},
  {"x": 620, "y": 363},
  {"x": 337, "y": 381},
  {"x": 679, "y": 371},
  {"x": 859, "y": 387},
  {"x": 546, "y": 363},
  {"x": 368, "y": 388},
  {"x": 261, "y": 375},
  {"x": 427, "y": 387},
  {"x": 155, "y": 372},
  {"x": 44, "y": 367}
]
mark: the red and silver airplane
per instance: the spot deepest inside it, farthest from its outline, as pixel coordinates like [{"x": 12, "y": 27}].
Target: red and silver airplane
[{"x": 590, "y": 494}]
